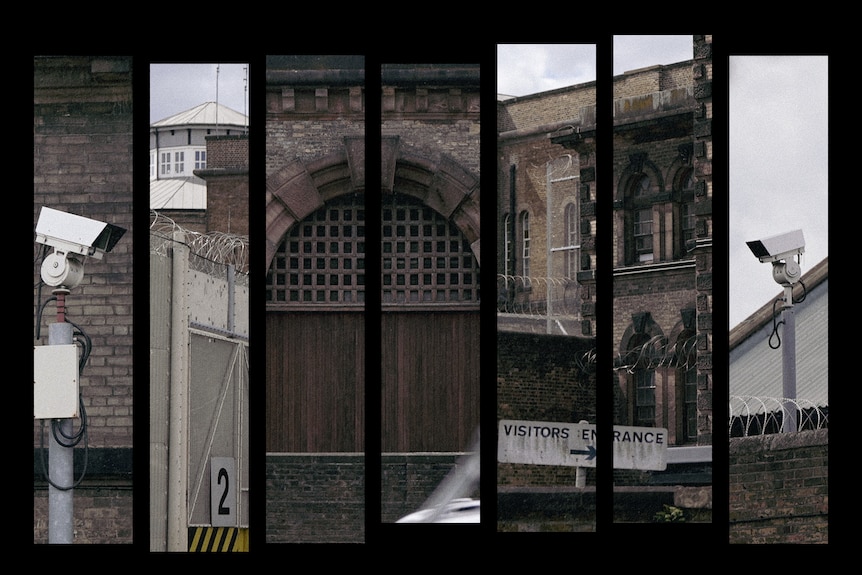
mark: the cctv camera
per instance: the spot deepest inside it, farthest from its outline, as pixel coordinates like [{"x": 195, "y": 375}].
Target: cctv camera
[
  {"x": 779, "y": 247},
  {"x": 73, "y": 238},
  {"x": 71, "y": 234}
]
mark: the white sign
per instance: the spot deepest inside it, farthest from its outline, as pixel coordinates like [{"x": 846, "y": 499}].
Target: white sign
[
  {"x": 574, "y": 444},
  {"x": 223, "y": 492}
]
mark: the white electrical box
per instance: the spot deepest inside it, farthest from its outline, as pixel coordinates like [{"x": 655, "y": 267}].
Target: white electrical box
[{"x": 55, "y": 381}]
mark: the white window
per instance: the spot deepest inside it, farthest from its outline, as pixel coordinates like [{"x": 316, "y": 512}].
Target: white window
[
  {"x": 165, "y": 163},
  {"x": 200, "y": 159},
  {"x": 179, "y": 162},
  {"x": 643, "y": 235}
]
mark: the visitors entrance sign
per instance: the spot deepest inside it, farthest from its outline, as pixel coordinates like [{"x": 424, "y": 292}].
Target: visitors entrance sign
[{"x": 574, "y": 444}]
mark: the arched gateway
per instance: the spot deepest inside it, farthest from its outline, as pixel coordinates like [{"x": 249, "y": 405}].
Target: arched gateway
[{"x": 315, "y": 321}]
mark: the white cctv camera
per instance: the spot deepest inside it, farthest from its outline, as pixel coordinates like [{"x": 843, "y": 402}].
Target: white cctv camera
[
  {"x": 778, "y": 247},
  {"x": 73, "y": 239},
  {"x": 779, "y": 250}
]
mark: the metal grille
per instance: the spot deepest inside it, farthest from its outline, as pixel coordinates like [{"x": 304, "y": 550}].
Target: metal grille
[
  {"x": 322, "y": 260},
  {"x": 426, "y": 259}
]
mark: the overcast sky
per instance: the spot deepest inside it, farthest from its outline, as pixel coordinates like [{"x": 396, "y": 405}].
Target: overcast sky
[
  {"x": 524, "y": 69},
  {"x": 176, "y": 88},
  {"x": 778, "y": 156}
]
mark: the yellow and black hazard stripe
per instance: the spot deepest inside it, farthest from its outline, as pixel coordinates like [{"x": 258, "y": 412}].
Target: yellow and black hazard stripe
[{"x": 217, "y": 539}]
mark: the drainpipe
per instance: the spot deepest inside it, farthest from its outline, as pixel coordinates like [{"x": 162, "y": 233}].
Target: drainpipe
[{"x": 512, "y": 228}]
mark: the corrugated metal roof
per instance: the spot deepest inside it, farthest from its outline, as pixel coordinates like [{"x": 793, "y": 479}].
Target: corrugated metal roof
[
  {"x": 756, "y": 368},
  {"x": 207, "y": 114},
  {"x": 188, "y": 193}
]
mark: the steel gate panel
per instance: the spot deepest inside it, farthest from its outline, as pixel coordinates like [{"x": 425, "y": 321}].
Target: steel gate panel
[{"x": 218, "y": 400}]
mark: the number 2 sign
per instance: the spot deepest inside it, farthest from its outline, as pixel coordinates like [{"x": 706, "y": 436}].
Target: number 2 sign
[{"x": 223, "y": 491}]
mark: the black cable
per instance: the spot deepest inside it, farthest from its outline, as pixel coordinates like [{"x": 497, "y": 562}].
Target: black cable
[
  {"x": 775, "y": 325},
  {"x": 804, "y": 293},
  {"x": 44, "y": 467}
]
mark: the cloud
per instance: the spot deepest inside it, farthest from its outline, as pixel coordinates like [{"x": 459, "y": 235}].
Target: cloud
[{"x": 524, "y": 69}]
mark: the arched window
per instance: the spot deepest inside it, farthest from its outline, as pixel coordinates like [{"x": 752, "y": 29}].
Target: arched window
[
  {"x": 642, "y": 219},
  {"x": 642, "y": 232},
  {"x": 689, "y": 424},
  {"x": 525, "y": 244},
  {"x": 643, "y": 382},
  {"x": 321, "y": 260},
  {"x": 686, "y": 211},
  {"x": 687, "y": 378},
  {"x": 425, "y": 258}
]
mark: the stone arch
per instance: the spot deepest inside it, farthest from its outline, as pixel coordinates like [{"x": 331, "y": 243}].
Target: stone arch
[
  {"x": 441, "y": 184},
  {"x": 641, "y": 326},
  {"x": 679, "y": 167},
  {"x": 638, "y": 164},
  {"x": 298, "y": 189}
]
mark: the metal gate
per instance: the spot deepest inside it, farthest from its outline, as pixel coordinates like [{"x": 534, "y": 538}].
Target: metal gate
[{"x": 198, "y": 387}]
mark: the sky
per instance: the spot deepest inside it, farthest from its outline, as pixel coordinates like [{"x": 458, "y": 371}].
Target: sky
[
  {"x": 778, "y": 168},
  {"x": 524, "y": 69},
  {"x": 176, "y": 88},
  {"x": 776, "y": 102}
]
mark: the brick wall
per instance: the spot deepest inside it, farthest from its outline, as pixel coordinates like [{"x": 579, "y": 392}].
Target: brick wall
[
  {"x": 539, "y": 379},
  {"x": 102, "y": 514},
  {"x": 320, "y": 498},
  {"x": 227, "y": 152},
  {"x": 227, "y": 185},
  {"x": 779, "y": 488}
]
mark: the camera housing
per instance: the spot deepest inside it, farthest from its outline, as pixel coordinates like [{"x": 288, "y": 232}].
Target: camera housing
[
  {"x": 779, "y": 250},
  {"x": 73, "y": 234},
  {"x": 73, "y": 238},
  {"x": 778, "y": 247}
]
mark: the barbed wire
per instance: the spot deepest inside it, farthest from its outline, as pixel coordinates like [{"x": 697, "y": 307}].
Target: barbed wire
[
  {"x": 659, "y": 352},
  {"x": 750, "y": 415},
  {"x": 217, "y": 248},
  {"x": 528, "y": 296}
]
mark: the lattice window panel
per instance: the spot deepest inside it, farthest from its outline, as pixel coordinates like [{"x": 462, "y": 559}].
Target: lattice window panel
[
  {"x": 425, "y": 259},
  {"x": 322, "y": 260}
]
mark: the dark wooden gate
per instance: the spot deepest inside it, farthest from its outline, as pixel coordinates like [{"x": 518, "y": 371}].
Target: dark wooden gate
[
  {"x": 315, "y": 382},
  {"x": 430, "y": 387}
]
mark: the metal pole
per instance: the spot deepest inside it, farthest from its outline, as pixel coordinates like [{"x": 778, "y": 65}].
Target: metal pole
[
  {"x": 60, "y": 457},
  {"x": 177, "y": 496},
  {"x": 788, "y": 358}
]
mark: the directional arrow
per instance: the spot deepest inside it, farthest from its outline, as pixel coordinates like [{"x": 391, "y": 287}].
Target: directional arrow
[{"x": 590, "y": 452}]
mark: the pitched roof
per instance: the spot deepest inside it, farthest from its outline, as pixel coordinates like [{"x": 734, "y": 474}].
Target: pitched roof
[
  {"x": 206, "y": 114},
  {"x": 189, "y": 193}
]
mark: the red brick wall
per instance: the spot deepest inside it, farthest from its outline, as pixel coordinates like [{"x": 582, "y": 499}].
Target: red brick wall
[{"x": 779, "y": 488}]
